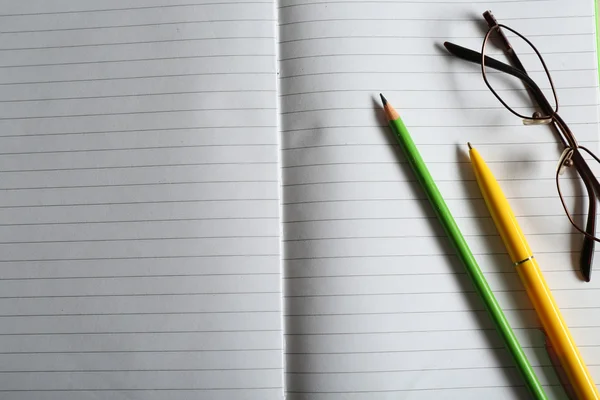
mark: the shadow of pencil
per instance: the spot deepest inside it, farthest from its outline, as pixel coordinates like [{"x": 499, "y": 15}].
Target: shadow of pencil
[
  {"x": 493, "y": 242},
  {"x": 458, "y": 272}
]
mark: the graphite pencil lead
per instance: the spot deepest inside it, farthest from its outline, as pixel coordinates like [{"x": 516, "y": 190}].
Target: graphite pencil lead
[{"x": 383, "y": 100}]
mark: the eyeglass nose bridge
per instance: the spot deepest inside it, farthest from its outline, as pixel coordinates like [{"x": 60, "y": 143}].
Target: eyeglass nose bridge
[
  {"x": 565, "y": 160},
  {"x": 537, "y": 119}
]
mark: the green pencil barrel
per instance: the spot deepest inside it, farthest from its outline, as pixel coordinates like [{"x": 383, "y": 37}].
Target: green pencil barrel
[{"x": 466, "y": 256}]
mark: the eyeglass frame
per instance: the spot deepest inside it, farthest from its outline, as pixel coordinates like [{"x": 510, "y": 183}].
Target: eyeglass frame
[{"x": 571, "y": 155}]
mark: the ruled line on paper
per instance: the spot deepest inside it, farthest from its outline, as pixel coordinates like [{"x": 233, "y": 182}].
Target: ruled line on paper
[
  {"x": 137, "y": 295},
  {"x": 399, "y": 199},
  {"x": 136, "y": 333},
  {"x": 139, "y": 313},
  {"x": 422, "y": 126},
  {"x": 429, "y": 55},
  {"x": 416, "y": 350},
  {"x": 141, "y": 239},
  {"x": 133, "y": 221},
  {"x": 117, "y": 78},
  {"x": 487, "y": 217},
  {"x": 476, "y": 73},
  {"x": 137, "y": 95},
  {"x": 439, "y": 292},
  {"x": 162, "y": 6},
  {"x": 394, "y": 370},
  {"x": 140, "y": 389},
  {"x": 245, "y": 255},
  {"x": 142, "y": 202},
  {"x": 183, "y": 22},
  {"x": 422, "y": 37},
  {"x": 410, "y": 390},
  {"x": 589, "y": 16},
  {"x": 393, "y": 145},
  {"x": 137, "y": 184},
  {"x": 404, "y": 181},
  {"x": 186, "y": 128},
  {"x": 386, "y": 237},
  {"x": 140, "y": 59},
  {"x": 328, "y": 184},
  {"x": 134, "y": 113},
  {"x": 416, "y": 312},
  {"x": 410, "y": 90},
  {"x": 190, "y": 146},
  {"x": 523, "y": 161},
  {"x": 383, "y": 2},
  {"x": 87, "y": 371},
  {"x": 420, "y": 108},
  {"x": 129, "y": 43},
  {"x": 404, "y": 255},
  {"x": 145, "y": 351},
  {"x": 382, "y": 333}
]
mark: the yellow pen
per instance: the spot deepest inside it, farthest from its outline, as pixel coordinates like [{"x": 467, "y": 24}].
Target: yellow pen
[{"x": 537, "y": 289}]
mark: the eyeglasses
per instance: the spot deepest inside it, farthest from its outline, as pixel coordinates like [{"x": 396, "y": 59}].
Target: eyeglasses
[{"x": 546, "y": 112}]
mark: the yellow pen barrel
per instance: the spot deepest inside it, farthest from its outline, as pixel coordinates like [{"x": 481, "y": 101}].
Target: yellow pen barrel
[
  {"x": 500, "y": 210},
  {"x": 557, "y": 331},
  {"x": 537, "y": 289}
]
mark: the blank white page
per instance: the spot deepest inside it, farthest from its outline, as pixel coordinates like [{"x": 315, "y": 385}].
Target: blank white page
[
  {"x": 139, "y": 211},
  {"x": 377, "y": 305}
]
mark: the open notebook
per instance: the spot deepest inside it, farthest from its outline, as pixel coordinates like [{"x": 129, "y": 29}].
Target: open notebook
[{"x": 200, "y": 199}]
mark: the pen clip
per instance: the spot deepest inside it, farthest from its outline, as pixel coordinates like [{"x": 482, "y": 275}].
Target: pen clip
[{"x": 558, "y": 369}]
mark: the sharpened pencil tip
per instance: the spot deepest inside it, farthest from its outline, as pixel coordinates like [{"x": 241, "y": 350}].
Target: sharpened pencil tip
[
  {"x": 383, "y": 100},
  {"x": 469, "y": 144}
]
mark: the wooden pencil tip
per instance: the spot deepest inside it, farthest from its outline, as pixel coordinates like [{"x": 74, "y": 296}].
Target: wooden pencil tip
[
  {"x": 383, "y": 100},
  {"x": 469, "y": 144}
]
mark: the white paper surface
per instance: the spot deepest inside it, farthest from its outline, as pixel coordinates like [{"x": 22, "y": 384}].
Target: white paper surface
[
  {"x": 378, "y": 307},
  {"x": 139, "y": 210}
]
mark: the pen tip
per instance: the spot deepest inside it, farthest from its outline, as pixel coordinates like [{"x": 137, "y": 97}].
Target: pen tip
[
  {"x": 383, "y": 100},
  {"x": 469, "y": 144}
]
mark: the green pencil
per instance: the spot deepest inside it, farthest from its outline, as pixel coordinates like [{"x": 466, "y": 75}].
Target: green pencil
[{"x": 464, "y": 253}]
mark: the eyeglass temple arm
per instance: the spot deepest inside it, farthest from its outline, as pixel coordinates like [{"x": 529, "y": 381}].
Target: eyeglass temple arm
[
  {"x": 586, "y": 258},
  {"x": 475, "y": 57},
  {"x": 593, "y": 188}
]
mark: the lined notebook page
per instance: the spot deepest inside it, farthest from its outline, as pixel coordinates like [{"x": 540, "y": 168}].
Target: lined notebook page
[
  {"x": 139, "y": 206},
  {"x": 377, "y": 306}
]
